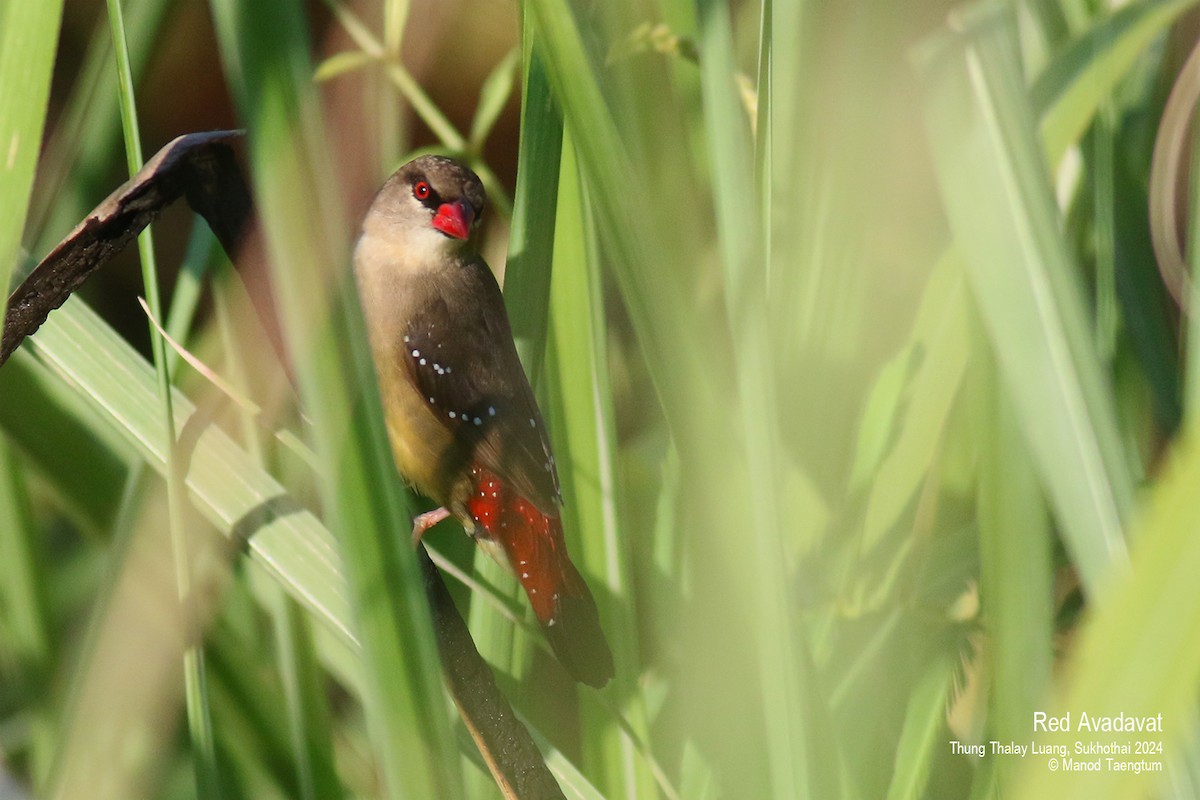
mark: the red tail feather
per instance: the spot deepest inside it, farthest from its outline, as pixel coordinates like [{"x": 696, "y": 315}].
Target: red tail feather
[{"x": 537, "y": 553}]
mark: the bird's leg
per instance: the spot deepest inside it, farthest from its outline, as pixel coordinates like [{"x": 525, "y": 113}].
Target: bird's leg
[{"x": 426, "y": 521}]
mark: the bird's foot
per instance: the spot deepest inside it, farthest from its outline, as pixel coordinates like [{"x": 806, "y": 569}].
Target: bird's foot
[{"x": 426, "y": 521}]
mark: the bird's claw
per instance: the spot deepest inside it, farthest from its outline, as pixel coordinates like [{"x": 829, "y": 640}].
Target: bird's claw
[{"x": 425, "y": 521}]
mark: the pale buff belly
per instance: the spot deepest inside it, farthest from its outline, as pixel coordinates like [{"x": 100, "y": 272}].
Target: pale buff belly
[{"x": 419, "y": 441}]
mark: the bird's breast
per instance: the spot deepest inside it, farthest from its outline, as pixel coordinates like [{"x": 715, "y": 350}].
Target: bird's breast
[{"x": 390, "y": 295}]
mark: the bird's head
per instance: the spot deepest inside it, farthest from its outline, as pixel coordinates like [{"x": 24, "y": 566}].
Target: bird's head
[{"x": 433, "y": 202}]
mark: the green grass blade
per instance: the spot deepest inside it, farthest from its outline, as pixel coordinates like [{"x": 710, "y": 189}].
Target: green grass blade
[
  {"x": 583, "y": 428},
  {"x": 52, "y": 426},
  {"x": 1072, "y": 88},
  {"x": 493, "y": 96},
  {"x": 341, "y": 63},
  {"x": 127, "y": 678},
  {"x": 1140, "y": 653},
  {"x": 941, "y": 338},
  {"x": 208, "y": 777},
  {"x": 1139, "y": 286},
  {"x": 730, "y": 159},
  {"x": 924, "y": 731},
  {"x": 237, "y": 498},
  {"x": 74, "y": 350},
  {"x": 425, "y": 108},
  {"x": 531, "y": 239},
  {"x": 308, "y": 712},
  {"x": 1016, "y": 573},
  {"x": 639, "y": 177},
  {"x": 740, "y": 232},
  {"x": 607, "y": 167},
  {"x": 24, "y": 610},
  {"x": 265, "y": 48},
  {"x": 1191, "y": 387},
  {"x": 201, "y": 250},
  {"x": 1105, "y": 293},
  {"x": 574, "y": 784},
  {"x": 28, "y": 35},
  {"x": 79, "y": 152},
  {"x": 309, "y": 721},
  {"x": 526, "y": 298},
  {"x": 998, "y": 199}
]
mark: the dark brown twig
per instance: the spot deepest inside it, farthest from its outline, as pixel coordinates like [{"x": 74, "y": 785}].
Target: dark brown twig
[{"x": 200, "y": 165}]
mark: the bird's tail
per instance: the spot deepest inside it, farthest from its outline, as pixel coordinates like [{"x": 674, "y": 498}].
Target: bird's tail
[
  {"x": 535, "y": 549},
  {"x": 561, "y": 601},
  {"x": 571, "y": 624}
]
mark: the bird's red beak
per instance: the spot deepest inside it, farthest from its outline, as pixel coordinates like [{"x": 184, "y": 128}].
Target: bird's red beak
[{"x": 454, "y": 219}]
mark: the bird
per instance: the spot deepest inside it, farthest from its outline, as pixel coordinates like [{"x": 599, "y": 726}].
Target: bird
[{"x": 463, "y": 423}]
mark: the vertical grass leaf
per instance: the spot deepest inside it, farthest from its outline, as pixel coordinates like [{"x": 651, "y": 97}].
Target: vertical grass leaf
[
  {"x": 997, "y": 195},
  {"x": 266, "y": 48},
  {"x": 28, "y": 35}
]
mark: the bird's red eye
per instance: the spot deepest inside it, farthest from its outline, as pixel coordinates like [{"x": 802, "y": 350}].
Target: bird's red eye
[{"x": 421, "y": 190}]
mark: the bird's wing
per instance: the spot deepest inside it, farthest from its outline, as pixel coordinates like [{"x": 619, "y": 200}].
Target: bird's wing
[{"x": 459, "y": 353}]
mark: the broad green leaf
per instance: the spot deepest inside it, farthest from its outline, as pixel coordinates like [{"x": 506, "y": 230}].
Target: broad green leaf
[{"x": 76, "y": 349}]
